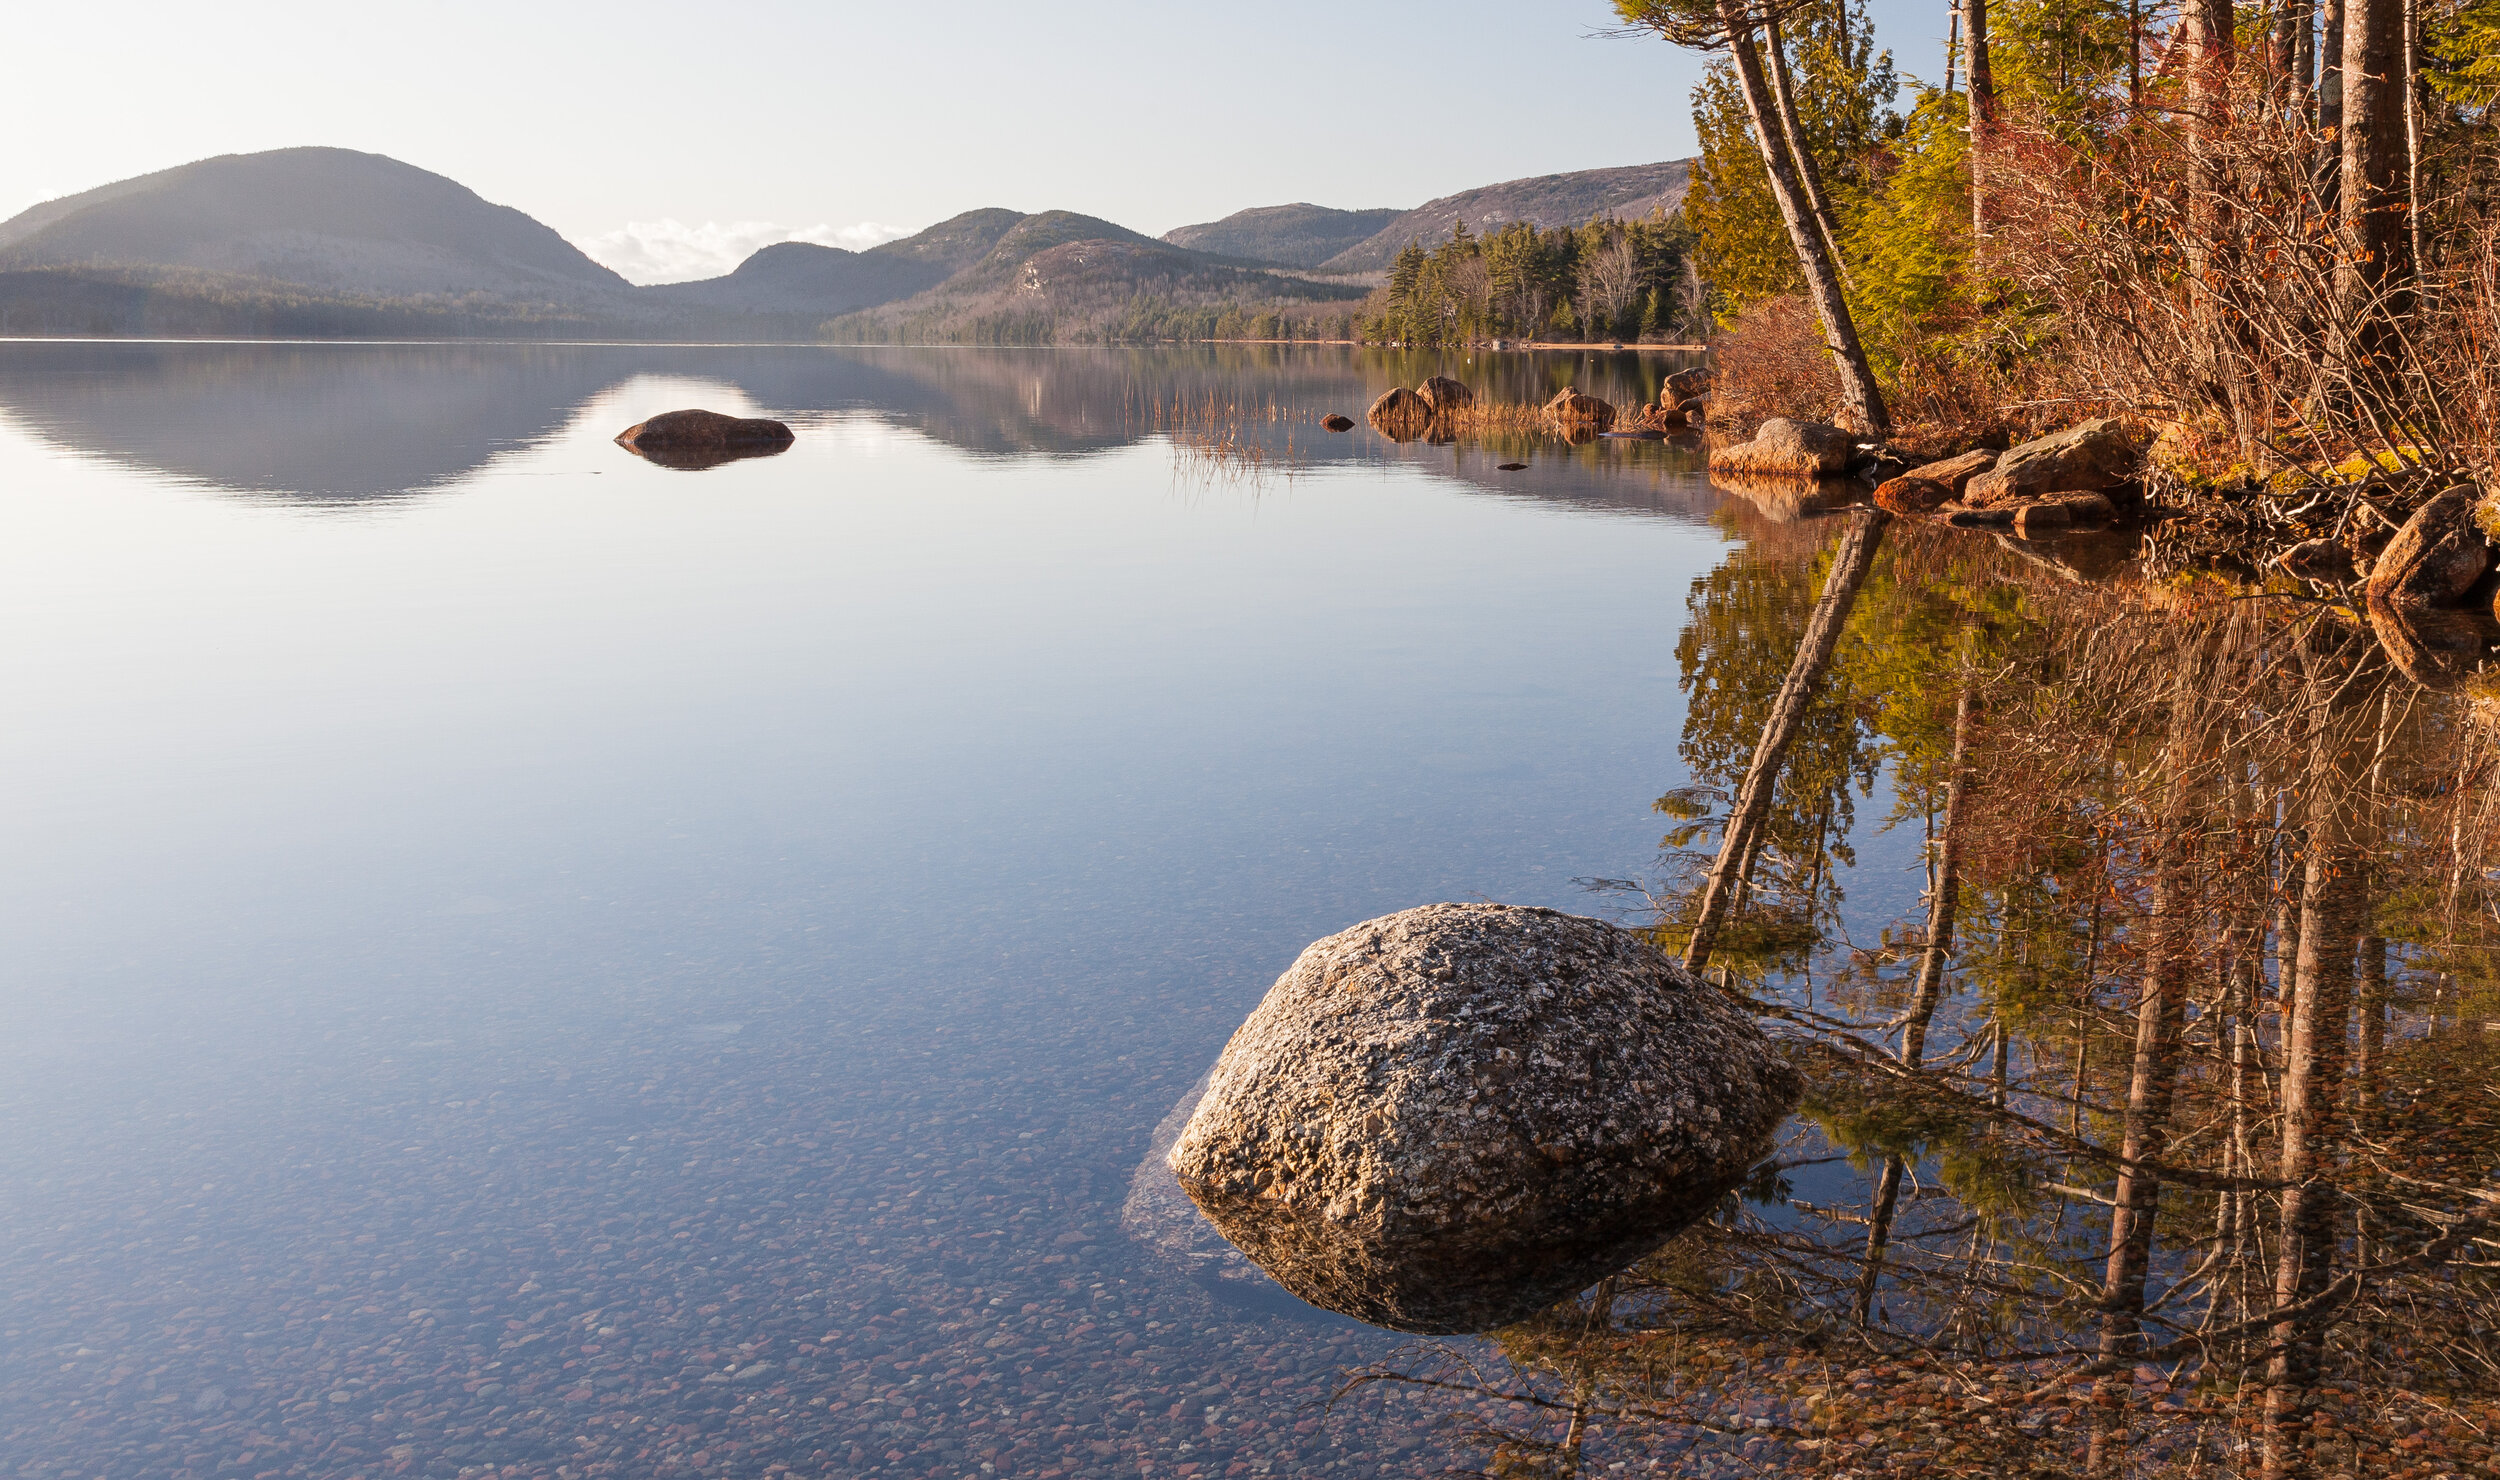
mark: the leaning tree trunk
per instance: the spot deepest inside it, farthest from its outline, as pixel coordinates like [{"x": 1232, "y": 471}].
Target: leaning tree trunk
[
  {"x": 1850, "y": 564},
  {"x": 1809, "y": 174},
  {"x": 1862, "y": 404}
]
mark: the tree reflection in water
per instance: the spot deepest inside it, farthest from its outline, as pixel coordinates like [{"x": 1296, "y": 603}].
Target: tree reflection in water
[{"x": 2162, "y": 1137}]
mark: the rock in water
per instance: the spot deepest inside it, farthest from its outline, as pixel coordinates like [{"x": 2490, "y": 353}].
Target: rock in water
[
  {"x": 694, "y": 440},
  {"x": 705, "y": 429},
  {"x": 2439, "y": 556},
  {"x": 1444, "y": 394},
  {"x": 1400, "y": 415},
  {"x": 1448, "y": 1119},
  {"x": 1572, "y": 409},
  {"x": 1922, "y": 489},
  {"x": 1162, "y": 1219},
  {"x": 2089, "y": 458},
  {"x": 1790, "y": 449},
  {"x": 1683, "y": 385},
  {"x": 1335, "y": 423}
]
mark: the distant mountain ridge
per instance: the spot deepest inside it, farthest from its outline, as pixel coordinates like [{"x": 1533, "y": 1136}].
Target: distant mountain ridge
[
  {"x": 1298, "y": 235},
  {"x": 319, "y": 242},
  {"x": 1575, "y": 199}
]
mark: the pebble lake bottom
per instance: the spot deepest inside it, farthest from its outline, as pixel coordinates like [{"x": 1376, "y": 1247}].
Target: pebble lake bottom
[{"x": 525, "y": 962}]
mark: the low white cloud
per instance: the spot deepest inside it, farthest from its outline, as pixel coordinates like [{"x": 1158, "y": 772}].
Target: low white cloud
[{"x": 670, "y": 251}]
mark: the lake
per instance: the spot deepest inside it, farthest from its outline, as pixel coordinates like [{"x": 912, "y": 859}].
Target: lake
[
  {"x": 499, "y": 931},
  {"x": 526, "y": 961}
]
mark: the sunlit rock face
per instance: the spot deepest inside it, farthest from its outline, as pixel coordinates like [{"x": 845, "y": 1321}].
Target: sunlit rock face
[{"x": 1450, "y": 1118}]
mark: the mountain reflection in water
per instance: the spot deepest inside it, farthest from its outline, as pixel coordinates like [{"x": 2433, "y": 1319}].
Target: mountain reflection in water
[
  {"x": 2161, "y": 1136},
  {"x": 372, "y": 422}
]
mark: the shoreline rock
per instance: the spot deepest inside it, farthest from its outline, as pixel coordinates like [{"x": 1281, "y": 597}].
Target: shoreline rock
[
  {"x": 2089, "y": 457},
  {"x": 1791, "y": 449},
  {"x": 2438, "y": 557},
  {"x": 1450, "y": 1118},
  {"x": 1930, "y": 486}
]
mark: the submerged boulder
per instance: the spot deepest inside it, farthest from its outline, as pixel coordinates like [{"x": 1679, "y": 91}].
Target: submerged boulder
[
  {"x": 1570, "y": 408},
  {"x": 2092, "y": 457},
  {"x": 1443, "y": 394},
  {"x": 1450, "y": 1118},
  {"x": 2440, "y": 555},
  {"x": 1790, "y": 449},
  {"x": 1931, "y": 485}
]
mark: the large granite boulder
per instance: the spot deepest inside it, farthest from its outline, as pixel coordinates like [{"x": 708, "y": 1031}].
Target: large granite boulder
[
  {"x": 1782, "y": 448},
  {"x": 1450, "y": 1118},
  {"x": 1571, "y": 408},
  {"x": 1443, "y": 394},
  {"x": 2092, "y": 457},
  {"x": 2440, "y": 555},
  {"x": 1930, "y": 485}
]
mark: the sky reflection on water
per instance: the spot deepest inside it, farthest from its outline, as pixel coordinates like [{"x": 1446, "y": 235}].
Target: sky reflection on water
[{"x": 523, "y": 957}]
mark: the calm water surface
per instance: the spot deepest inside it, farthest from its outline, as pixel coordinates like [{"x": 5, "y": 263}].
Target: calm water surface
[{"x": 522, "y": 959}]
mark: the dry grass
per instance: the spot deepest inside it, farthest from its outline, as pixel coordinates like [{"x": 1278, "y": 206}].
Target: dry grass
[{"x": 1212, "y": 438}]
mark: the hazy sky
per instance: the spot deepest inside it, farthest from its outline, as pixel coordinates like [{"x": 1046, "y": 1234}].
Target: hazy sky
[{"x": 671, "y": 139}]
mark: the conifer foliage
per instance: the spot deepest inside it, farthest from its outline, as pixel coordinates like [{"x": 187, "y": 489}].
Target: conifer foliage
[{"x": 1607, "y": 281}]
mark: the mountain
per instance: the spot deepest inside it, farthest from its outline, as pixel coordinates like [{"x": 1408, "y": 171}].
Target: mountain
[
  {"x": 1299, "y": 235},
  {"x": 330, "y": 221},
  {"x": 801, "y": 277},
  {"x": 1060, "y": 272},
  {"x": 956, "y": 243},
  {"x": 1547, "y": 200},
  {"x": 329, "y": 243}
]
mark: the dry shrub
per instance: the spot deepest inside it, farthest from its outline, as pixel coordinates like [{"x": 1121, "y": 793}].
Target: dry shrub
[
  {"x": 1945, "y": 403},
  {"x": 1771, "y": 361},
  {"x": 2189, "y": 267}
]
